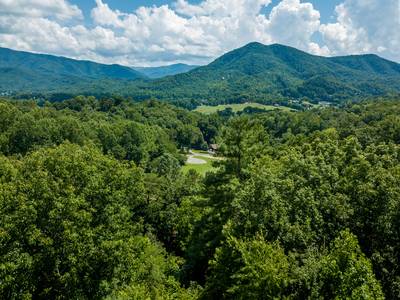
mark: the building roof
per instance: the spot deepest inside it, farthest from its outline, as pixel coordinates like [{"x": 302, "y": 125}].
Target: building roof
[{"x": 213, "y": 146}]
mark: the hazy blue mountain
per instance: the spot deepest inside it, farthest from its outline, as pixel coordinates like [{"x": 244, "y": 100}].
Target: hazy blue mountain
[
  {"x": 28, "y": 71},
  {"x": 159, "y": 72}
]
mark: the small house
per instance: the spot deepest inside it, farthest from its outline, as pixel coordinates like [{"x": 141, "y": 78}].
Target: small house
[{"x": 213, "y": 148}]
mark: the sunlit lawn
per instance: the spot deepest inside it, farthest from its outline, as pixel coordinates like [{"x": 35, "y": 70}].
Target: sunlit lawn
[
  {"x": 206, "y": 109},
  {"x": 201, "y": 169}
]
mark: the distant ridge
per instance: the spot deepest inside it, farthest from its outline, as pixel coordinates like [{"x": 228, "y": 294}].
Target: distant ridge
[
  {"x": 159, "y": 72},
  {"x": 28, "y": 71}
]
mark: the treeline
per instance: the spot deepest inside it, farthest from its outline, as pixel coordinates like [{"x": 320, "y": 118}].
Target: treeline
[
  {"x": 85, "y": 191},
  {"x": 93, "y": 205},
  {"x": 136, "y": 132}
]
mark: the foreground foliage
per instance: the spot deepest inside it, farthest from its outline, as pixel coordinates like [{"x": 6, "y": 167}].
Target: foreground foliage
[{"x": 94, "y": 205}]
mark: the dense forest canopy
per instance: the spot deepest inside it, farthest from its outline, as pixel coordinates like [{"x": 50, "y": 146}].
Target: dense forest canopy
[{"x": 94, "y": 205}]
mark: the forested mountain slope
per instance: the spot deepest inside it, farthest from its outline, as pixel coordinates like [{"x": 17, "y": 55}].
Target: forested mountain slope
[
  {"x": 24, "y": 71},
  {"x": 265, "y": 73}
]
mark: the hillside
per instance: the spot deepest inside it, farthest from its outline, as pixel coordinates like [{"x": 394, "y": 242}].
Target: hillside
[
  {"x": 253, "y": 73},
  {"x": 24, "y": 71},
  {"x": 159, "y": 72},
  {"x": 263, "y": 73}
]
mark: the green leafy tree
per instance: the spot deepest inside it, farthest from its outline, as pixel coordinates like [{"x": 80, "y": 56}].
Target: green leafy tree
[
  {"x": 343, "y": 273},
  {"x": 243, "y": 141},
  {"x": 71, "y": 227}
]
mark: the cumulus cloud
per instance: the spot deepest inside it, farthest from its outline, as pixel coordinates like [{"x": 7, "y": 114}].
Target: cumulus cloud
[
  {"x": 221, "y": 8},
  {"x": 59, "y": 9},
  {"x": 37, "y": 25},
  {"x": 193, "y": 33},
  {"x": 293, "y": 23},
  {"x": 199, "y": 33},
  {"x": 365, "y": 26},
  {"x": 40, "y": 34},
  {"x": 103, "y": 15}
]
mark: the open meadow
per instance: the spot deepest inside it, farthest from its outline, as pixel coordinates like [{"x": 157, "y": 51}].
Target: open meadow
[{"x": 208, "y": 109}]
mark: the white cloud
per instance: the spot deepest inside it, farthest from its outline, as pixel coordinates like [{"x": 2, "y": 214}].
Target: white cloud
[
  {"x": 221, "y": 8},
  {"x": 103, "y": 15},
  {"x": 194, "y": 33},
  {"x": 198, "y": 33},
  {"x": 59, "y": 9},
  {"x": 293, "y": 23},
  {"x": 38, "y": 34},
  {"x": 365, "y": 26},
  {"x": 36, "y": 25}
]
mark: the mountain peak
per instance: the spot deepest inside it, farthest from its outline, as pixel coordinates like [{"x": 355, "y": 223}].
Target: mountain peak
[
  {"x": 258, "y": 45},
  {"x": 279, "y": 71},
  {"x": 255, "y": 57},
  {"x": 253, "y": 44}
]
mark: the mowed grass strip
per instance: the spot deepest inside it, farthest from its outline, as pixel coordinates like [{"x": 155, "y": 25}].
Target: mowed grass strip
[
  {"x": 201, "y": 169},
  {"x": 200, "y": 152},
  {"x": 207, "y": 109}
]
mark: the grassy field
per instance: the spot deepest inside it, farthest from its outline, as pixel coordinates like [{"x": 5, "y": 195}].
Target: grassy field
[
  {"x": 200, "y": 152},
  {"x": 205, "y": 109},
  {"x": 203, "y": 168}
]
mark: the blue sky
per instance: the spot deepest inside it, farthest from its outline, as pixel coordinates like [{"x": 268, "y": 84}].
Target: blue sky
[
  {"x": 149, "y": 33},
  {"x": 325, "y": 7}
]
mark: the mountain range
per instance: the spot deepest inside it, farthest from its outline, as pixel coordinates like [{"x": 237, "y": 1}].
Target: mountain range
[
  {"x": 263, "y": 73},
  {"x": 255, "y": 72}
]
